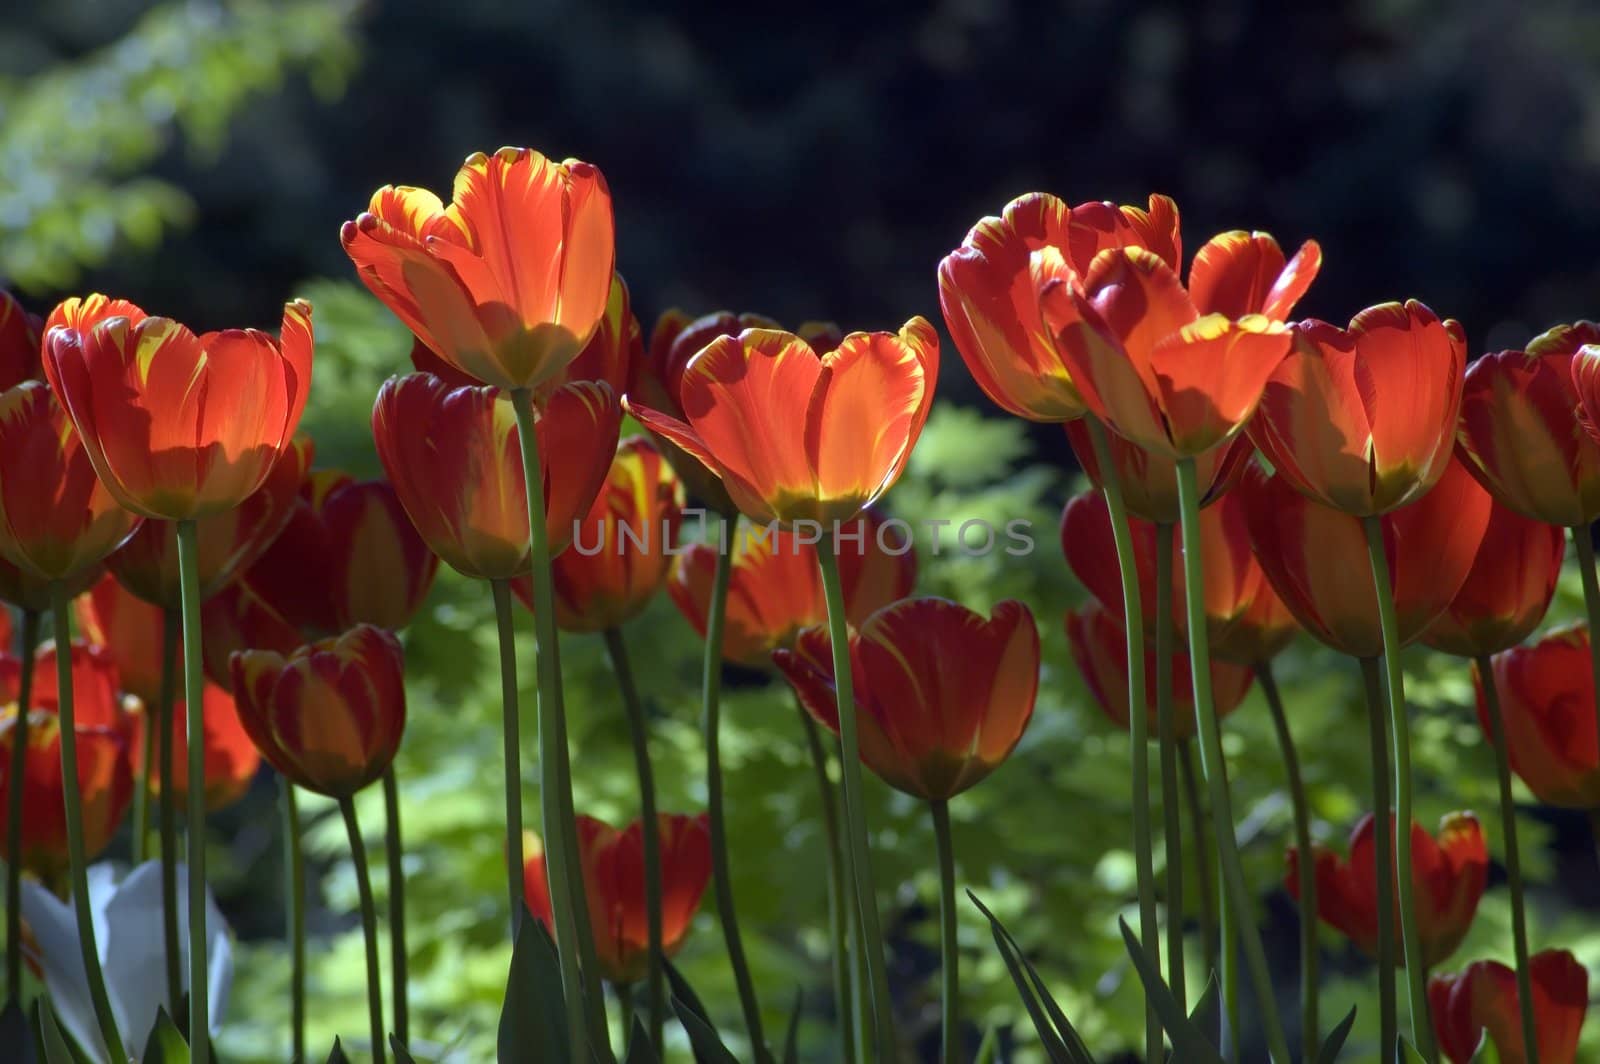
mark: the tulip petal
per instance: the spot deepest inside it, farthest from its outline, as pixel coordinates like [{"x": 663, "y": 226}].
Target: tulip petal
[
  {"x": 862, "y": 418},
  {"x": 1233, "y": 273},
  {"x": 1211, "y": 374}
]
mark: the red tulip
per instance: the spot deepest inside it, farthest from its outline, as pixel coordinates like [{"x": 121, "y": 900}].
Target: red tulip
[
  {"x": 1316, "y": 557},
  {"x": 1586, "y": 382},
  {"x": 56, "y": 518},
  {"x": 97, "y": 685},
  {"x": 775, "y": 586},
  {"x": 1547, "y": 697},
  {"x": 1520, "y": 429},
  {"x": 1149, "y": 481},
  {"x": 130, "y": 630},
  {"x": 105, "y": 785},
  {"x": 797, "y": 436},
  {"x": 1483, "y": 999},
  {"x": 27, "y": 592},
  {"x": 506, "y": 283},
  {"x": 1449, "y": 876},
  {"x": 178, "y": 426},
  {"x": 1362, "y": 419},
  {"x": 20, "y": 335},
  {"x": 231, "y": 757},
  {"x": 454, "y": 457},
  {"x": 329, "y": 715},
  {"x": 614, "y": 883},
  {"x": 239, "y": 618}
]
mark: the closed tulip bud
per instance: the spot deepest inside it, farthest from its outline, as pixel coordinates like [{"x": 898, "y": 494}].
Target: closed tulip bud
[
  {"x": 1547, "y": 700},
  {"x": 178, "y": 426},
  {"x": 1449, "y": 875},
  {"x": 1149, "y": 481},
  {"x": 944, "y": 694},
  {"x": 1483, "y": 1000},
  {"x": 231, "y": 758},
  {"x": 1586, "y": 382},
  {"x": 129, "y": 631},
  {"x": 20, "y": 335},
  {"x": 105, "y": 784},
  {"x": 328, "y": 716}
]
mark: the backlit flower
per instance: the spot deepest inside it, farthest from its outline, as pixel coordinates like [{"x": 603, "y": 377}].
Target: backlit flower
[
  {"x": 1547, "y": 701},
  {"x": 1483, "y": 999}
]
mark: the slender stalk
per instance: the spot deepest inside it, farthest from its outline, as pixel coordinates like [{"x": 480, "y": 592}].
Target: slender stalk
[
  {"x": 19, "y": 768},
  {"x": 858, "y": 855},
  {"x": 511, "y": 745},
  {"x": 711, "y": 723},
  {"x": 1237, "y": 897},
  {"x": 294, "y": 889},
  {"x": 1508, "y": 820},
  {"x": 195, "y": 819},
  {"x": 369, "y": 927},
  {"x": 1202, "y": 847},
  {"x": 397, "y": 905},
  {"x": 1400, "y": 736},
  {"x": 838, "y": 906},
  {"x": 1133, "y": 623},
  {"x": 1308, "y": 873},
  {"x": 1166, "y": 737},
  {"x": 1228, "y": 951},
  {"x": 639, "y": 727},
  {"x": 949, "y": 955},
  {"x": 1383, "y": 853},
  {"x": 1591, "y": 600},
  {"x": 141, "y": 786},
  {"x": 171, "y": 630},
  {"x": 74, "y": 815}
]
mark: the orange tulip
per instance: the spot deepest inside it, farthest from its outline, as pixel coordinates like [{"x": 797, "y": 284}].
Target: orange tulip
[
  {"x": 178, "y": 426},
  {"x": 1483, "y": 999},
  {"x": 506, "y": 283},
  {"x": 455, "y": 460},
  {"x": 20, "y": 335},
  {"x": 775, "y": 586},
  {"x": 56, "y": 518},
  {"x": 944, "y": 694},
  {"x": 1100, "y": 649},
  {"x": 1315, "y": 557},
  {"x": 797, "y": 436},
  {"x": 105, "y": 784},
  {"x": 231, "y": 758},
  {"x": 614, "y": 884},
  {"x": 238, "y": 618},
  {"x": 130, "y": 630},
  {"x": 1362, "y": 419},
  {"x": 1547, "y": 700},
  {"x": 1149, "y": 481},
  {"x": 329, "y": 715},
  {"x": 97, "y": 685},
  {"x": 1586, "y": 382},
  {"x": 1449, "y": 876},
  {"x": 1520, "y": 429}
]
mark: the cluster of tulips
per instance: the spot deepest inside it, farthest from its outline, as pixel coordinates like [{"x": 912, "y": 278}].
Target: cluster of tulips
[{"x": 234, "y": 604}]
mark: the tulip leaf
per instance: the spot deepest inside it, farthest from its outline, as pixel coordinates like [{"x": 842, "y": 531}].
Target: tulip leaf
[
  {"x": 1406, "y": 1053},
  {"x": 1206, "y": 1016},
  {"x": 696, "y": 1021},
  {"x": 1335, "y": 1040},
  {"x": 336, "y": 1054},
  {"x": 15, "y": 1030},
  {"x": 1061, "y": 1042},
  {"x": 55, "y": 1044},
  {"x": 402, "y": 1055},
  {"x": 988, "y": 1048},
  {"x": 533, "y": 1019},
  {"x": 165, "y": 1044},
  {"x": 1188, "y": 1043},
  {"x": 791, "y": 1038},
  {"x": 640, "y": 1051}
]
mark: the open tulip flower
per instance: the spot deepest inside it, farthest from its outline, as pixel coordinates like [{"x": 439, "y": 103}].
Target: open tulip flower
[
  {"x": 1547, "y": 699},
  {"x": 944, "y": 693},
  {"x": 1482, "y": 1000},
  {"x": 1521, "y": 431},
  {"x": 614, "y": 884},
  {"x": 1148, "y": 480},
  {"x": 20, "y": 334},
  {"x": 775, "y": 589},
  {"x": 1449, "y": 875},
  {"x": 105, "y": 785},
  {"x": 1316, "y": 557},
  {"x": 798, "y": 436},
  {"x": 329, "y": 715},
  {"x": 455, "y": 460},
  {"x": 231, "y": 757},
  {"x": 178, "y": 426},
  {"x": 56, "y": 518},
  {"x": 509, "y": 280}
]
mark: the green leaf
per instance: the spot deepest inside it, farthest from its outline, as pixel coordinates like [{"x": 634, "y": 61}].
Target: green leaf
[
  {"x": 336, "y": 1055},
  {"x": 1188, "y": 1043},
  {"x": 402, "y": 1055},
  {"x": 1050, "y": 1034},
  {"x": 1406, "y": 1053},
  {"x": 640, "y": 1051},
  {"x": 165, "y": 1044},
  {"x": 1207, "y": 1014},
  {"x": 1335, "y": 1041},
  {"x": 55, "y": 1045},
  {"x": 16, "y": 1031},
  {"x": 988, "y": 1047},
  {"x": 533, "y": 1018},
  {"x": 696, "y": 1021},
  {"x": 791, "y": 1038}
]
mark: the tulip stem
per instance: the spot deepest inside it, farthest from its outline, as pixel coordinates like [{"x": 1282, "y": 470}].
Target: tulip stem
[
  {"x": 838, "y": 918},
  {"x": 1166, "y": 736},
  {"x": 1237, "y": 897},
  {"x": 580, "y": 972},
  {"x": 1202, "y": 847},
  {"x": 711, "y": 722},
  {"x": 1508, "y": 819},
  {"x": 510, "y": 718},
  {"x": 79, "y": 863},
  {"x": 19, "y": 768},
  {"x": 1309, "y": 1027},
  {"x": 949, "y": 954},
  {"x": 1591, "y": 601},
  {"x": 1400, "y": 731},
  {"x": 650, "y": 829},
  {"x": 141, "y": 786},
  {"x": 1383, "y": 853},
  {"x": 369, "y": 926},
  {"x": 1138, "y": 722},
  {"x": 294, "y": 889},
  {"x": 195, "y": 822},
  {"x": 171, "y": 631},
  {"x": 858, "y": 855},
  {"x": 395, "y": 855}
]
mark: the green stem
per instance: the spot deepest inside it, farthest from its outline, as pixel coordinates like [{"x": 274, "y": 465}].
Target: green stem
[
  {"x": 171, "y": 631},
  {"x": 511, "y": 746},
  {"x": 1400, "y": 736},
  {"x": 1508, "y": 820},
  {"x": 59, "y": 607},
  {"x": 858, "y": 855},
  {"x": 19, "y": 768},
  {"x": 397, "y": 904},
  {"x": 711, "y": 723},
  {"x": 1237, "y": 898},
  {"x": 1172, "y": 828},
  {"x": 639, "y": 729},
  {"x": 1591, "y": 600},
  {"x": 294, "y": 890},
  {"x": 1202, "y": 847},
  {"x": 195, "y": 821},
  {"x": 949, "y": 955},
  {"x": 1383, "y": 853},
  {"x": 369, "y": 926},
  {"x": 1307, "y": 867},
  {"x": 1228, "y": 950},
  {"x": 1138, "y": 723},
  {"x": 838, "y": 907},
  {"x": 141, "y": 787},
  {"x": 580, "y": 977}
]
